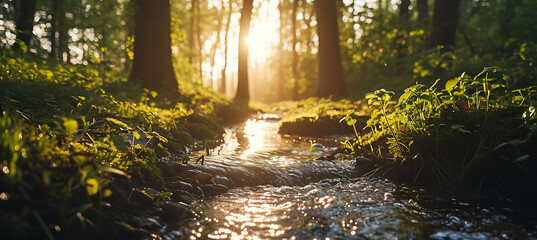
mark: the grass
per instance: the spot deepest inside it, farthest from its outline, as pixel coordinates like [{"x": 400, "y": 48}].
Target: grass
[
  {"x": 66, "y": 129},
  {"x": 317, "y": 116},
  {"x": 475, "y": 134}
]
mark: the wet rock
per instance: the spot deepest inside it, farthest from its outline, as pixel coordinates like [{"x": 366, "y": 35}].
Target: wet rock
[
  {"x": 214, "y": 189},
  {"x": 132, "y": 232},
  {"x": 223, "y": 181},
  {"x": 326, "y": 158},
  {"x": 182, "y": 196},
  {"x": 171, "y": 169},
  {"x": 180, "y": 185},
  {"x": 173, "y": 213},
  {"x": 364, "y": 165},
  {"x": 197, "y": 175},
  {"x": 138, "y": 196},
  {"x": 150, "y": 223}
]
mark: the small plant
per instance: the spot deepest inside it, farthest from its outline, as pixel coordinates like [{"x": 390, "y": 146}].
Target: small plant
[{"x": 379, "y": 101}]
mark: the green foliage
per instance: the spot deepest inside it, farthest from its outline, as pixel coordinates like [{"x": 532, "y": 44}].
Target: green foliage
[
  {"x": 65, "y": 129},
  {"x": 47, "y": 179},
  {"x": 466, "y": 134},
  {"x": 384, "y": 50}
]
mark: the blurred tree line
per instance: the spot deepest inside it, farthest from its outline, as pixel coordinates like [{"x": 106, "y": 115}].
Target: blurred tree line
[{"x": 326, "y": 47}]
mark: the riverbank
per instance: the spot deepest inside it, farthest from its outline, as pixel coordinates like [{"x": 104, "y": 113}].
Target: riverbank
[
  {"x": 464, "y": 135},
  {"x": 79, "y": 148}
]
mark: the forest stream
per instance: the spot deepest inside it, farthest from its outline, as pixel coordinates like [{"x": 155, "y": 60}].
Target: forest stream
[{"x": 281, "y": 192}]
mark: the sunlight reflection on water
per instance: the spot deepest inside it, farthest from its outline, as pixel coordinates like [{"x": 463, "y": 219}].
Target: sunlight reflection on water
[{"x": 304, "y": 206}]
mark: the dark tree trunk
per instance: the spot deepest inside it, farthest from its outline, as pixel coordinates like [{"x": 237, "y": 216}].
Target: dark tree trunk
[
  {"x": 24, "y": 21},
  {"x": 423, "y": 12},
  {"x": 63, "y": 30},
  {"x": 331, "y": 77},
  {"x": 444, "y": 24},
  {"x": 152, "y": 64},
  {"x": 403, "y": 10},
  {"x": 242, "y": 87},
  {"x": 404, "y": 17},
  {"x": 53, "y": 29},
  {"x": 294, "y": 64},
  {"x": 228, "y": 23}
]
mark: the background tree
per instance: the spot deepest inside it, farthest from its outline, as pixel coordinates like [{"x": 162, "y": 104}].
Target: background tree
[
  {"x": 223, "y": 81},
  {"x": 423, "y": 12},
  {"x": 331, "y": 77},
  {"x": 152, "y": 63},
  {"x": 444, "y": 23},
  {"x": 242, "y": 87},
  {"x": 24, "y": 21},
  {"x": 294, "y": 63}
]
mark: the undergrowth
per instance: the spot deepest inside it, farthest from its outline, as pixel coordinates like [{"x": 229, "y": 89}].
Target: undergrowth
[
  {"x": 65, "y": 129},
  {"x": 474, "y": 133}
]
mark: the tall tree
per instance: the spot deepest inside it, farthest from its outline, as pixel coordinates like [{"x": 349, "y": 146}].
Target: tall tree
[
  {"x": 220, "y": 19},
  {"x": 53, "y": 28},
  {"x": 281, "y": 76},
  {"x": 152, "y": 64},
  {"x": 331, "y": 77},
  {"x": 246, "y": 15},
  {"x": 191, "y": 42},
  {"x": 444, "y": 24},
  {"x": 63, "y": 32},
  {"x": 224, "y": 68},
  {"x": 423, "y": 12},
  {"x": 24, "y": 20},
  {"x": 294, "y": 63},
  {"x": 403, "y": 10}
]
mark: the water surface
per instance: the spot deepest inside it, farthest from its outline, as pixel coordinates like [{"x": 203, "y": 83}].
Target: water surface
[{"x": 304, "y": 198}]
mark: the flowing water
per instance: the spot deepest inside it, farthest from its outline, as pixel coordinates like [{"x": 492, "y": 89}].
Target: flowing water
[{"x": 283, "y": 193}]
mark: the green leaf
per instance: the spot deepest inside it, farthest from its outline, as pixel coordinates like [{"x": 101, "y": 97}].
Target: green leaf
[
  {"x": 522, "y": 158},
  {"x": 405, "y": 96},
  {"x": 136, "y": 134},
  {"x": 450, "y": 84},
  {"x": 351, "y": 122},
  {"x": 119, "y": 142},
  {"x": 107, "y": 193},
  {"x": 116, "y": 123},
  {"x": 494, "y": 86},
  {"x": 92, "y": 186},
  {"x": 370, "y": 96},
  {"x": 70, "y": 125},
  {"x": 22, "y": 45}
]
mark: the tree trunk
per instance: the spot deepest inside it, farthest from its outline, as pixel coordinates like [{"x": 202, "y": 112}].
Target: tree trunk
[
  {"x": 191, "y": 43},
  {"x": 24, "y": 21},
  {"x": 444, "y": 24},
  {"x": 294, "y": 64},
  {"x": 152, "y": 64},
  {"x": 63, "y": 30},
  {"x": 423, "y": 12},
  {"x": 331, "y": 77},
  {"x": 53, "y": 29},
  {"x": 217, "y": 42},
  {"x": 403, "y": 10},
  {"x": 281, "y": 76},
  {"x": 228, "y": 23},
  {"x": 242, "y": 87},
  {"x": 198, "y": 39},
  {"x": 404, "y": 17}
]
